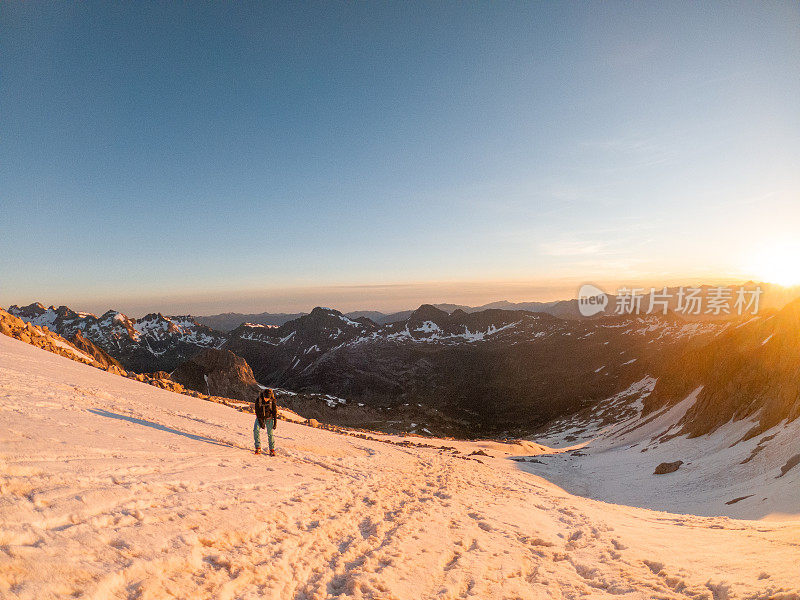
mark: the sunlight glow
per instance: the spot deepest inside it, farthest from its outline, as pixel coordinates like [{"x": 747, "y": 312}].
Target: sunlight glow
[{"x": 777, "y": 262}]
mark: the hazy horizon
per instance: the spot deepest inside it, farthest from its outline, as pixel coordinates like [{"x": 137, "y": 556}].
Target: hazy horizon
[{"x": 386, "y": 298}]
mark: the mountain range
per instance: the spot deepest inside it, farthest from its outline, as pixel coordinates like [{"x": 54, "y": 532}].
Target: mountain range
[
  {"x": 625, "y": 398},
  {"x": 230, "y": 321},
  {"x": 773, "y": 297},
  {"x": 488, "y": 372}
]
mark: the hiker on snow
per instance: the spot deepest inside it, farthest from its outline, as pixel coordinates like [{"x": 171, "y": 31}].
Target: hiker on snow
[{"x": 266, "y": 417}]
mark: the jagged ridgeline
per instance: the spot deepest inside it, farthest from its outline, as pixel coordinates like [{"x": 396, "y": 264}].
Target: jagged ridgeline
[{"x": 152, "y": 343}]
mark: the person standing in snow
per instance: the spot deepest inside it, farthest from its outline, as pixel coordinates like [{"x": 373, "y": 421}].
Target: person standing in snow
[{"x": 266, "y": 409}]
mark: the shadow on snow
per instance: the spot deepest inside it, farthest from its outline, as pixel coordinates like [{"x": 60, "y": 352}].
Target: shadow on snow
[{"x": 191, "y": 436}]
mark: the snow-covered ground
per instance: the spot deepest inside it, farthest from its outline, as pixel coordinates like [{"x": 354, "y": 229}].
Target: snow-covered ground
[
  {"x": 722, "y": 473},
  {"x": 110, "y": 488}
]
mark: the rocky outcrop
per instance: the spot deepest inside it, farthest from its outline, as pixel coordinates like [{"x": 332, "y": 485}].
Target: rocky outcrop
[
  {"x": 165, "y": 383},
  {"x": 218, "y": 373},
  {"x": 105, "y": 360},
  {"x": 157, "y": 375},
  {"x": 790, "y": 464},
  {"x": 667, "y": 467},
  {"x": 42, "y": 337}
]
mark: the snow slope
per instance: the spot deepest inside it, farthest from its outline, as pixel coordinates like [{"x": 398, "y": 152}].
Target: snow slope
[
  {"x": 110, "y": 488},
  {"x": 723, "y": 473}
]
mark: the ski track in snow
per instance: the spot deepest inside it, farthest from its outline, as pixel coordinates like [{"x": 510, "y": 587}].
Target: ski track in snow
[{"x": 111, "y": 488}]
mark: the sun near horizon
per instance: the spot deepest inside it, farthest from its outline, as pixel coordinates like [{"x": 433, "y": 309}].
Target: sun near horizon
[{"x": 776, "y": 262}]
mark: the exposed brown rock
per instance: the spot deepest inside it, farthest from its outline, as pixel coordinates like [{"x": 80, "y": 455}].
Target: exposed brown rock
[
  {"x": 104, "y": 359},
  {"x": 117, "y": 370},
  {"x": 790, "y": 464},
  {"x": 218, "y": 373},
  {"x": 667, "y": 467},
  {"x": 167, "y": 384},
  {"x": 40, "y": 337}
]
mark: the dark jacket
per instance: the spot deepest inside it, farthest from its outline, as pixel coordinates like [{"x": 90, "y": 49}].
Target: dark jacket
[{"x": 266, "y": 408}]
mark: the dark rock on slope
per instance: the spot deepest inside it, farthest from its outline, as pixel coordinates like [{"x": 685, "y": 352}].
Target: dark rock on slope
[
  {"x": 667, "y": 467},
  {"x": 100, "y": 355},
  {"x": 218, "y": 373}
]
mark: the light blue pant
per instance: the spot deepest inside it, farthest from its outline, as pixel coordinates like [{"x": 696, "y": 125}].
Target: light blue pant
[{"x": 257, "y": 434}]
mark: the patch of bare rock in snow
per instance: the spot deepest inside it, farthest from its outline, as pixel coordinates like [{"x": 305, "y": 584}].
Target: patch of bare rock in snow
[{"x": 110, "y": 488}]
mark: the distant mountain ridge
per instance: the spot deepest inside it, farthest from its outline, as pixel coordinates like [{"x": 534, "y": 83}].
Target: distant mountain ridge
[
  {"x": 153, "y": 343},
  {"x": 229, "y": 321},
  {"x": 774, "y": 297}
]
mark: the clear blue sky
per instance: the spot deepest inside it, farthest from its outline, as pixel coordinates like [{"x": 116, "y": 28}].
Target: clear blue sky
[{"x": 273, "y": 156}]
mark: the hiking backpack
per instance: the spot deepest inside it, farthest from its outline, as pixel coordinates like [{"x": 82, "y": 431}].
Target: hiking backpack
[{"x": 261, "y": 411}]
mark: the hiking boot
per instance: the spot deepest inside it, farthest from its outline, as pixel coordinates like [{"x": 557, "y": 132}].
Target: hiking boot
[
  {"x": 258, "y": 450},
  {"x": 271, "y": 452}
]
